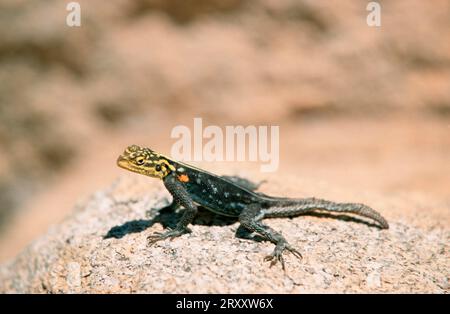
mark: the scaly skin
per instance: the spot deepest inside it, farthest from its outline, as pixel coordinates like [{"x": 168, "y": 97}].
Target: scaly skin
[{"x": 229, "y": 196}]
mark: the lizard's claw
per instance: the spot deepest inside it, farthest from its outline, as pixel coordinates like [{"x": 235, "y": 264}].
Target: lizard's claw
[
  {"x": 277, "y": 255},
  {"x": 294, "y": 252},
  {"x": 158, "y": 236},
  {"x": 274, "y": 258}
]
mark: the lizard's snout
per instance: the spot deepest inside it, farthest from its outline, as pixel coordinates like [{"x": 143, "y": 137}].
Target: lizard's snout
[{"x": 122, "y": 162}]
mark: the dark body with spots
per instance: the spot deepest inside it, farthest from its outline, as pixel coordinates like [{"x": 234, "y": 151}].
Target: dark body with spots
[
  {"x": 220, "y": 194},
  {"x": 229, "y": 196}
]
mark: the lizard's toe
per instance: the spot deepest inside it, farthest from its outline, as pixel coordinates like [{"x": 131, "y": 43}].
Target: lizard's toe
[
  {"x": 294, "y": 252},
  {"x": 274, "y": 258},
  {"x": 158, "y": 236},
  {"x": 277, "y": 254},
  {"x": 152, "y": 239}
]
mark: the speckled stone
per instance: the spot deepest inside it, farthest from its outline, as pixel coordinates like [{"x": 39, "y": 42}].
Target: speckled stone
[{"x": 102, "y": 248}]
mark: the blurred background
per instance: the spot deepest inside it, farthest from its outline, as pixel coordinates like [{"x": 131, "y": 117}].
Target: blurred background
[{"x": 366, "y": 108}]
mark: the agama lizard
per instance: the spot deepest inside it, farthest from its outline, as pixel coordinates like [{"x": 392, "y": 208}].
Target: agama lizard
[{"x": 229, "y": 196}]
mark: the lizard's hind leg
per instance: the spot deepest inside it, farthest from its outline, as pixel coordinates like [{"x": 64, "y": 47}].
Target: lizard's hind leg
[{"x": 251, "y": 218}]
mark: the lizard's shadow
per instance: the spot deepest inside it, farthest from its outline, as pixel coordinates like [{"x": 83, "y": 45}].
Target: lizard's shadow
[{"x": 168, "y": 218}]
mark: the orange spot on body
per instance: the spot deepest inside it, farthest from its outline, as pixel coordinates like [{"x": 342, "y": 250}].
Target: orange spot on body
[{"x": 183, "y": 178}]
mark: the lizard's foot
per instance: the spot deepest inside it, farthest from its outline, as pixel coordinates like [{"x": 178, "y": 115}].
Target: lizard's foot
[
  {"x": 277, "y": 254},
  {"x": 158, "y": 236}
]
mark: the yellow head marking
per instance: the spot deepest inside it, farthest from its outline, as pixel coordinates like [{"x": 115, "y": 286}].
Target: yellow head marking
[{"x": 145, "y": 161}]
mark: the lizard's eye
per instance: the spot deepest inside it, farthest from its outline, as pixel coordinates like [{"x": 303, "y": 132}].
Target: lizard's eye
[
  {"x": 140, "y": 160},
  {"x": 158, "y": 168}
]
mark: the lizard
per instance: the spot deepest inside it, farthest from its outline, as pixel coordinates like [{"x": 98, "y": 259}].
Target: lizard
[{"x": 231, "y": 196}]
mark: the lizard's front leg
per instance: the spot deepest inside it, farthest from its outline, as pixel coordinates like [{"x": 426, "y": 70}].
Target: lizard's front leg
[{"x": 182, "y": 198}]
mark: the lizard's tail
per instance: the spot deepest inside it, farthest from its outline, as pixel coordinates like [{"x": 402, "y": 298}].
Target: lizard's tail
[{"x": 306, "y": 205}]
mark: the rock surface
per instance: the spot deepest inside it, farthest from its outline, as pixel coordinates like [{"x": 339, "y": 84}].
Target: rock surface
[{"x": 102, "y": 248}]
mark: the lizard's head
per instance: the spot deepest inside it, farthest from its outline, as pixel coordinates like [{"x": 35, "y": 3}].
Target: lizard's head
[{"x": 145, "y": 161}]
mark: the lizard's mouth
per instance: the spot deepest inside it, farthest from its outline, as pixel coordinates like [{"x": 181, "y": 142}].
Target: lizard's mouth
[{"x": 122, "y": 162}]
